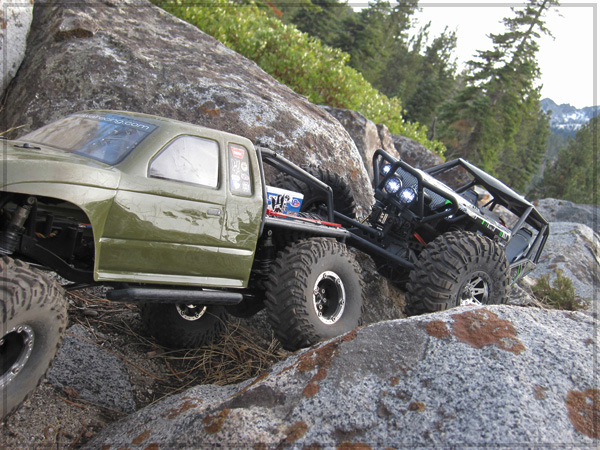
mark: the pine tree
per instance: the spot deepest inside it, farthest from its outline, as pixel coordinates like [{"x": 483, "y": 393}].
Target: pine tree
[
  {"x": 575, "y": 174},
  {"x": 494, "y": 121}
]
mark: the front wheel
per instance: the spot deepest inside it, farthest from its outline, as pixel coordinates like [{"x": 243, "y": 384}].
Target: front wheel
[
  {"x": 314, "y": 292},
  {"x": 33, "y": 311},
  {"x": 458, "y": 269},
  {"x": 182, "y": 325}
]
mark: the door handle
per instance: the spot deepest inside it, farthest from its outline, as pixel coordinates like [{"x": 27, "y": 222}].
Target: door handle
[{"x": 213, "y": 212}]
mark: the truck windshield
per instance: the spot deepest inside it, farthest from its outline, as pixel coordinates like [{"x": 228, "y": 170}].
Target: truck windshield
[{"x": 108, "y": 138}]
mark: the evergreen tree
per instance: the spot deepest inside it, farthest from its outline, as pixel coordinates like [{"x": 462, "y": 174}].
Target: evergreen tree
[
  {"x": 574, "y": 175},
  {"x": 422, "y": 75},
  {"x": 494, "y": 121}
]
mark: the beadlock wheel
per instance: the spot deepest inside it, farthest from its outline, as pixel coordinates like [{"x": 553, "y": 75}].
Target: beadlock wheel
[
  {"x": 15, "y": 349},
  {"x": 329, "y": 298},
  {"x": 315, "y": 291},
  {"x": 191, "y": 312},
  {"x": 458, "y": 269},
  {"x": 33, "y": 314}
]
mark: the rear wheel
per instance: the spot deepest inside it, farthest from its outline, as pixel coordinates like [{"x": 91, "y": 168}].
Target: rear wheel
[
  {"x": 183, "y": 325},
  {"x": 315, "y": 292},
  {"x": 33, "y": 311},
  {"x": 343, "y": 200},
  {"x": 458, "y": 269}
]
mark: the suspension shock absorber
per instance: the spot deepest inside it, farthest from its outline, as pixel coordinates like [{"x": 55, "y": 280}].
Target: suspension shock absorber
[{"x": 9, "y": 238}]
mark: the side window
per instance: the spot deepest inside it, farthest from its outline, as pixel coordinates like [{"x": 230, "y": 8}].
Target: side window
[{"x": 190, "y": 160}]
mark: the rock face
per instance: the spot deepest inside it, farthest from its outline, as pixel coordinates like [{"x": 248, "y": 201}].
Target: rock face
[
  {"x": 127, "y": 55},
  {"x": 15, "y": 20},
  {"x": 364, "y": 133},
  {"x": 414, "y": 153},
  {"x": 575, "y": 250},
  {"x": 564, "y": 211},
  {"x": 467, "y": 377},
  {"x": 87, "y": 371}
]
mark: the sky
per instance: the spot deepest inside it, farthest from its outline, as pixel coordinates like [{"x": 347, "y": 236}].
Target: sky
[{"x": 568, "y": 62}]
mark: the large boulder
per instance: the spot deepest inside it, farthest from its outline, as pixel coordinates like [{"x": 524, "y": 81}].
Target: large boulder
[
  {"x": 131, "y": 55},
  {"x": 414, "y": 153},
  {"x": 365, "y": 134},
  {"x": 15, "y": 21},
  {"x": 565, "y": 211},
  {"x": 85, "y": 370},
  {"x": 470, "y": 377},
  {"x": 573, "y": 249}
]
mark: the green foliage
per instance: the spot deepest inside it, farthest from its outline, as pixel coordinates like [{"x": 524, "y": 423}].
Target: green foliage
[
  {"x": 423, "y": 75},
  {"x": 574, "y": 175},
  {"x": 494, "y": 121},
  {"x": 376, "y": 38},
  {"x": 558, "y": 295},
  {"x": 298, "y": 60}
]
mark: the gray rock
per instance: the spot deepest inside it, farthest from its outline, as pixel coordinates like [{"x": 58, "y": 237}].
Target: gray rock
[
  {"x": 15, "y": 21},
  {"x": 564, "y": 211},
  {"x": 573, "y": 249},
  {"x": 414, "y": 153},
  {"x": 383, "y": 299},
  {"x": 95, "y": 374},
  {"x": 363, "y": 132},
  {"x": 471, "y": 377},
  {"x": 387, "y": 141},
  {"x": 131, "y": 55}
]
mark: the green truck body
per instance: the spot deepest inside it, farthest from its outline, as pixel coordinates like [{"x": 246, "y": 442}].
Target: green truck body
[{"x": 148, "y": 229}]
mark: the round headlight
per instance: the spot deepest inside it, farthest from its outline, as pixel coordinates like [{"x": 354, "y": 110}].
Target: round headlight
[
  {"x": 393, "y": 185},
  {"x": 386, "y": 169},
  {"x": 407, "y": 195}
]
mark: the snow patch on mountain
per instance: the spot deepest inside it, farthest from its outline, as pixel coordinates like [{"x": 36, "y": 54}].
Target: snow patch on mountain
[{"x": 565, "y": 118}]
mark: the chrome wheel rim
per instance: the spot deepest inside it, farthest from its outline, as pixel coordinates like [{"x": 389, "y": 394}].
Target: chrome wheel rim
[
  {"x": 329, "y": 297},
  {"x": 475, "y": 291},
  {"x": 191, "y": 312},
  {"x": 15, "y": 350}
]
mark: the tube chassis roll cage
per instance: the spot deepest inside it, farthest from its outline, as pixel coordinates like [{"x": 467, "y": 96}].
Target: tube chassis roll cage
[{"x": 367, "y": 238}]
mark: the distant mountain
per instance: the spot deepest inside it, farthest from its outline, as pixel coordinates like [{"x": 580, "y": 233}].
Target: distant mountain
[{"x": 567, "y": 119}]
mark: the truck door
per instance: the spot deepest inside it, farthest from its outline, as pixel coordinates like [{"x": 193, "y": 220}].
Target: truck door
[{"x": 166, "y": 226}]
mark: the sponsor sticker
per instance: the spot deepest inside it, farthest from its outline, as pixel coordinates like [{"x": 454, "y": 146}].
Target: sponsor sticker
[{"x": 238, "y": 152}]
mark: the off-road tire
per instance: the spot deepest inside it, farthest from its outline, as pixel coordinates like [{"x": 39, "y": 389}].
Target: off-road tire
[
  {"x": 451, "y": 266},
  {"x": 33, "y": 311},
  {"x": 343, "y": 199},
  {"x": 291, "y": 301},
  {"x": 164, "y": 322}
]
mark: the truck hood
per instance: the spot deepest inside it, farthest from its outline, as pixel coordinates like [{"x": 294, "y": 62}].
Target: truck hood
[{"x": 42, "y": 164}]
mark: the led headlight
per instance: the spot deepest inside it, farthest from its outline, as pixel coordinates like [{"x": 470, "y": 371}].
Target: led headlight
[
  {"x": 393, "y": 185},
  {"x": 407, "y": 195},
  {"x": 386, "y": 169}
]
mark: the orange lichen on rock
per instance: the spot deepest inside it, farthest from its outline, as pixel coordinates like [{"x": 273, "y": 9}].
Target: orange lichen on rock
[
  {"x": 142, "y": 437},
  {"x": 354, "y": 446},
  {"x": 185, "y": 406},
  {"x": 320, "y": 358},
  {"x": 540, "y": 392},
  {"x": 311, "y": 390},
  {"x": 481, "y": 327},
  {"x": 417, "y": 406},
  {"x": 438, "y": 329},
  {"x": 213, "y": 424},
  {"x": 584, "y": 411},
  {"x": 295, "y": 432}
]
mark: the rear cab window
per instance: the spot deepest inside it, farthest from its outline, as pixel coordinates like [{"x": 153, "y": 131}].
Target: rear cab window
[{"x": 240, "y": 177}]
